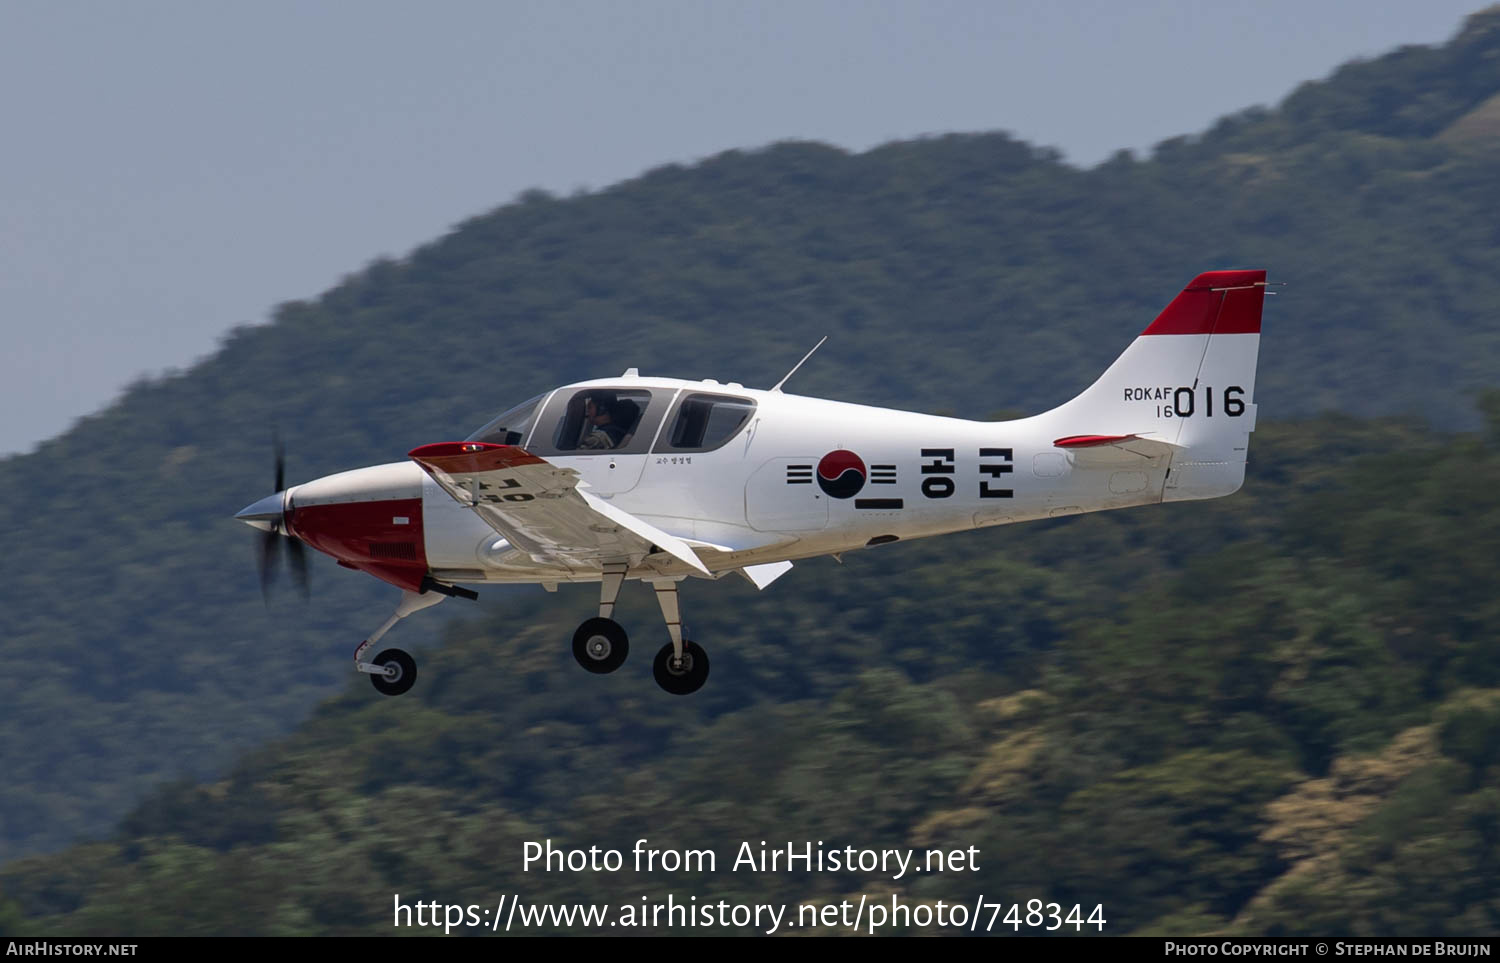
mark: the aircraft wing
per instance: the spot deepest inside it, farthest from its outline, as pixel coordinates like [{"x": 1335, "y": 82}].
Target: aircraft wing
[{"x": 540, "y": 509}]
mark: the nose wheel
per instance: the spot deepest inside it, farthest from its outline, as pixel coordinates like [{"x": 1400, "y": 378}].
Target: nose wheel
[
  {"x": 600, "y": 645},
  {"x": 681, "y": 675},
  {"x": 393, "y": 672},
  {"x": 398, "y": 672}
]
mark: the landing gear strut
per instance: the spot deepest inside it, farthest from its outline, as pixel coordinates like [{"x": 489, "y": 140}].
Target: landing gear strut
[
  {"x": 600, "y": 645},
  {"x": 681, "y": 667},
  {"x": 393, "y": 671}
]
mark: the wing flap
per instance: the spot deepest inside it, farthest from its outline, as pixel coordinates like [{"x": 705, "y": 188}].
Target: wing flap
[
  {"x": 668, "y": 543},
  {"x": 540, "y": 509}
]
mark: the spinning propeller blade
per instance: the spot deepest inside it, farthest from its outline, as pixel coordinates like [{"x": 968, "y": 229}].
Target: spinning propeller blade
[
  {"x": 275, "y": 526},
  {"x": 295, "y": 550},
  {"x": 267, "y": 563}
]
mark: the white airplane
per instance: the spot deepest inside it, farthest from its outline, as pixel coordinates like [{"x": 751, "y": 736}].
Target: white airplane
[{"x": 659, "y": 479}]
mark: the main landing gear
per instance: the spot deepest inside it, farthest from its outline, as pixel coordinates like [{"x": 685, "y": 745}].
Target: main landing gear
[
  {"x": 681, "y": 674},
  {"x": 600, "y": 645},
  {"x": 681, "y": 667}
]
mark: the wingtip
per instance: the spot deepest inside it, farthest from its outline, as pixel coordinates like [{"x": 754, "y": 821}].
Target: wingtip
[{"x": 471, "y": 456}]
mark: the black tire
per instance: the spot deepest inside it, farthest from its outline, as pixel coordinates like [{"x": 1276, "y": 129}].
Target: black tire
[
  {"x": 687, "y": 678},
  {"x": 405, "y": 674},
  {"x": 600, "y": 645}
]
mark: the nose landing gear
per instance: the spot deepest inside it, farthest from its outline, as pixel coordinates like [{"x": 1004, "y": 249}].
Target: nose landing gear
[{"x": 393, "y": 671}]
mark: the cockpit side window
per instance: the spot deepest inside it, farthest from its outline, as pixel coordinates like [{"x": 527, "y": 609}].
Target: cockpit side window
[
  {"x": 600, "y": 420},
  {"x": 512, "y": 427},
  {"x": 704, "y": 422}
]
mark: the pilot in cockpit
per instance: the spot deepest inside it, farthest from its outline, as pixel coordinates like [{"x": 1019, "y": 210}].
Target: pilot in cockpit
[{"x": 602, "y": 430}]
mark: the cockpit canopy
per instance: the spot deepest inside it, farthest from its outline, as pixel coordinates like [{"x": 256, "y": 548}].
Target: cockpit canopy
[
  {"x": 624, "y": 420},
  {"x": 511, "y": 427}
]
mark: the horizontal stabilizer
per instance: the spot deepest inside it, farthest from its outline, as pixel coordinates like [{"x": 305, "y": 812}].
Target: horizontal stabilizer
[
  {"x": 1090, "y": 441},
  {"x": 1113, "y": 451},
  {"x": 1131, "y": 442}
]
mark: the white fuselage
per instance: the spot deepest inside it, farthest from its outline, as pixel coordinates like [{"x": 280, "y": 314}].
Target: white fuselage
[{"x": 759, "y": 495}]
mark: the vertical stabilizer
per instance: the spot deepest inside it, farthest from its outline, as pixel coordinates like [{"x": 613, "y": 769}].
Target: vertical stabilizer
[{"x": 1188, "y": 380}]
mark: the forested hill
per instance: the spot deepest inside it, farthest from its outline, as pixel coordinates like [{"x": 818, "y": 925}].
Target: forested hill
[
  {"x": 1277, "y": 713},
  {"x": 967, "y": 272}
]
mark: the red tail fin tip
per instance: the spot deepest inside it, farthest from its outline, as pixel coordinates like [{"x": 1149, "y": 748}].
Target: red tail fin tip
[{"x": 1215, "y": 302}]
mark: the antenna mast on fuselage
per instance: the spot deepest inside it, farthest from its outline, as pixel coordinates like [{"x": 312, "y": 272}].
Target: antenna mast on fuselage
[{"x": 799, "y": 364}]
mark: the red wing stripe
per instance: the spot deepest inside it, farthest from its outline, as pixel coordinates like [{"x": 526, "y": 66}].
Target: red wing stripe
[
  {"x": 1090, "y": 441},
  {"x": 463, "y": 457}
]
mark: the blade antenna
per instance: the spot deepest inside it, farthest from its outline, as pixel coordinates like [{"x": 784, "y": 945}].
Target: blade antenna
[{"x": 799, "y": 364}]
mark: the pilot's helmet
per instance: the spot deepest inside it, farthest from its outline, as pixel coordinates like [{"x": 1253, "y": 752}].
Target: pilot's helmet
[{"x": 625, "y": 413}]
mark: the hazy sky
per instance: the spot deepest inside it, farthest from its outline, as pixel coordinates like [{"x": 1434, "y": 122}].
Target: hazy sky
[{"x": 171, "y": 169}]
